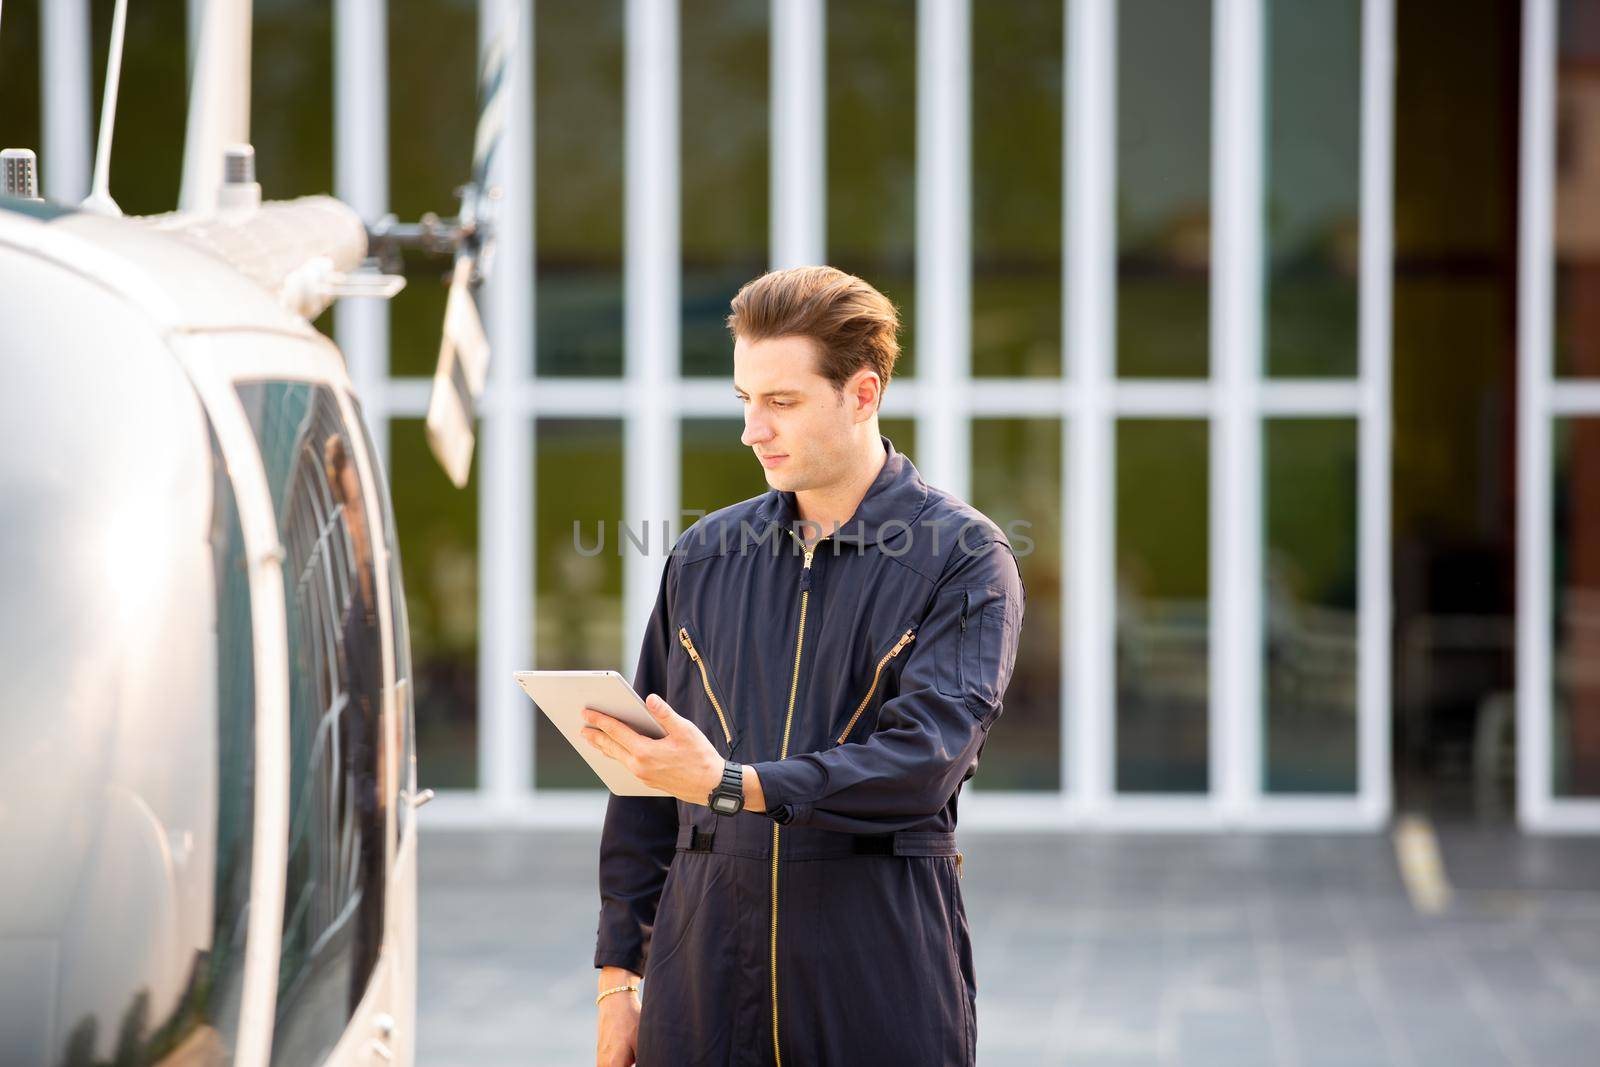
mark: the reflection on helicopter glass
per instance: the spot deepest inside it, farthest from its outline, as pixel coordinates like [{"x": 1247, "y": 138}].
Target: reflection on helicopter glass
[
  {"x": 404, "y": 736},
  {"x": 333, "y": 898}
]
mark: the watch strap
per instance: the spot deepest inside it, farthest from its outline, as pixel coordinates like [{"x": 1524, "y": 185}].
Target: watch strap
[{"x": 731, "y": 786}]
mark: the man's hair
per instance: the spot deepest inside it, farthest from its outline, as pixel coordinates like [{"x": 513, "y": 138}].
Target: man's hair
[
  {"x": 852, "y": 323},
  {"x": 334, "y": 457}
]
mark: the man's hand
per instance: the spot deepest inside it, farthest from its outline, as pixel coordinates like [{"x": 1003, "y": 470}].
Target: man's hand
[
  {"x": 683, "y": 763},
  {"x": 617, "y": 1029}
]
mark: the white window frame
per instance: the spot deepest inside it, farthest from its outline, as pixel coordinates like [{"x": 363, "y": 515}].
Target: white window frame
[
  {"x": 652, "y": 397},
  {"x": 1542, "y": 398}
]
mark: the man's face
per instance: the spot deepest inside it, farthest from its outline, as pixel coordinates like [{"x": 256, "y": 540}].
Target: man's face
[{"x": 800, "y": 427}]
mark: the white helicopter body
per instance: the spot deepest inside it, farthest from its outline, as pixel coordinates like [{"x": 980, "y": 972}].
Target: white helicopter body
[
  {"x": 179, "y": 573},
  {"x": 207, "y": 764}
]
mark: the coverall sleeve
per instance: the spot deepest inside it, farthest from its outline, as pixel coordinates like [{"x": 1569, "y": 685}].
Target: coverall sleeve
[
  {"x": 929, "y": 735},
  {"x": 640, "y": 833}
]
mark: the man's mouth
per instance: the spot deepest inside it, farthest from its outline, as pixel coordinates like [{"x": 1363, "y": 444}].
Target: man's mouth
[{"x": 774, "y": 459}]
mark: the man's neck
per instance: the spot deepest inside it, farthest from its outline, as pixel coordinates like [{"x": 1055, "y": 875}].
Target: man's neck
[{"x": 832, "y": 507}]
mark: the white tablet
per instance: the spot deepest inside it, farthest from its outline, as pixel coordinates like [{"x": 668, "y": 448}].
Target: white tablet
[{"x": 562, "y": 696}]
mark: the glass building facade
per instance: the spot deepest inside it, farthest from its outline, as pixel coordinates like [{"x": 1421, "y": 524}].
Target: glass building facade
[{"x": 1145, "y": 256}]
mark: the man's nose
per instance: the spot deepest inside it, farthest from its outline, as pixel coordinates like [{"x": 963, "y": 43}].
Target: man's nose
[{"x": 756, "y": 431}]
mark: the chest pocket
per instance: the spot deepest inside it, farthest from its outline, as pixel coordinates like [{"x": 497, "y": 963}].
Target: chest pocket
[
  {"x": 880, "y": 669},
  {"x": 721, "y": 716}
]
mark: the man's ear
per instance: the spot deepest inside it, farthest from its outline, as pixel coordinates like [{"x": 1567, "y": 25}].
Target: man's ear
[{"x": 865, "y": 390}]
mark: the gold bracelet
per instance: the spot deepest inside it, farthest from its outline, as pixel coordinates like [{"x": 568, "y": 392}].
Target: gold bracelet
[{"x": 604, "y": 993}]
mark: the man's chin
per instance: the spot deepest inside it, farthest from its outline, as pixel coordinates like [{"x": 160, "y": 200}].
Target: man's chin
[{"x": 781, "y": 481}]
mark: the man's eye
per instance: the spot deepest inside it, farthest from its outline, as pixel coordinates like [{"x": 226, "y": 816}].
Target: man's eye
[{"x": 782, "y": 404}]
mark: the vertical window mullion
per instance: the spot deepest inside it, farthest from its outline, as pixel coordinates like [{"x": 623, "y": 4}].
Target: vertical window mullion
[
  {"x": 1236, "y": 367},
  {"x": 944, "y": 241},
  {"x": 1089, "y": 307},
  {"x": 505, "y": 579},
  {"x": 651, "y": 266},
  {"x": 1375, "y": 322},
  {"x": 1535, "y": 307},
  {"x": 799, "y": 163},
  {"x": 361, "y": 168}
]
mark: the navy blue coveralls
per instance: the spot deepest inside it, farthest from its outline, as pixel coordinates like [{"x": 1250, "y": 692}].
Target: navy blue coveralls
[{"x": 860, "y": 680}]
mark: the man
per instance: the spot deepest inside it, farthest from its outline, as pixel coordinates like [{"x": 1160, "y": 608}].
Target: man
[{"x": 827, "y": 660}]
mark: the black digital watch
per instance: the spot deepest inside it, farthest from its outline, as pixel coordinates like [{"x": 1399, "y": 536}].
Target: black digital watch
[{"x": 728, "y": 797}]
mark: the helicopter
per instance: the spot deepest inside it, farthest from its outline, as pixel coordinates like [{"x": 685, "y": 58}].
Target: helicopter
[{"x": 207, "y": 741}]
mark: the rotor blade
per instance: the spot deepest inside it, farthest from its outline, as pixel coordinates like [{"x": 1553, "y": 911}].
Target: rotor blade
[
  {"x": 458, "y": 379},
  {"x": 494, "y": 83}
]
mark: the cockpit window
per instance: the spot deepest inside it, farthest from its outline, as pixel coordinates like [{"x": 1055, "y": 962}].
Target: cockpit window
[
  {"x": 333, "y": 899},
  {"x": 222, "y": 974},
  {"x": 399, "y": 626}
]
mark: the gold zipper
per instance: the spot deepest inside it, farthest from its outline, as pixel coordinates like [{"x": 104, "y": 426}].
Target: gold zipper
[
  {"x": 905, "y": 639},
  {"x": 705, "y": 680},
  {"x": 794, "y": 687}
]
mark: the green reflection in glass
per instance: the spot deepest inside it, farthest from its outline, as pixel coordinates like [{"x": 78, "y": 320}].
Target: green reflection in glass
[
  {"x": 291, "y": 104},
  {"x": 577, "y": 569},
  {"x": 716, "y": 469},
  {"x": 1575, "y": 609},
  {"x": 1577, "y": 337},
  {"x": 430, "y": 154},
  {"x": 1016, "y": 480},
  {"x": 578, "y": 126},
  {"x": 724, "y": 169},
  {"x": 1163, "y": 187},
  {"x": 902, "y": 433},
  {"x": 438, "y": 526},
  {"x": 148, "y": 162},
  {"x": 1309, "y": 634},
  {"x": 20, "y": 118},
  {"x": 1163, "y": 625},
  {"x": 1577, "y": 191},
  {"x": 1016, "y": 189},
  {"x": 430, "y": 139},
  {"x": 872, "y": 165},
  {"x": 1313, "y": 186},
  {"x": 416, "y": 320},
  {"x": 291, "y": 94}
]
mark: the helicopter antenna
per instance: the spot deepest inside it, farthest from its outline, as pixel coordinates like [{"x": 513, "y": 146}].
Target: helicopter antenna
[
  {"x": 219, "y": 102},
  {"x": 100, "y": 191}
]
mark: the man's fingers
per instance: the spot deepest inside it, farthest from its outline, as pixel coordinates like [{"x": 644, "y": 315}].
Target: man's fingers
[
  {"x": 619, "y": 732},
  {"x": 606, "y": 744},
  {"x": 660, "y": 710}
]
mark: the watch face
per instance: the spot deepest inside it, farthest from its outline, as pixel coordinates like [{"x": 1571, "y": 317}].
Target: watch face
[{"x": 725, "y": 805}]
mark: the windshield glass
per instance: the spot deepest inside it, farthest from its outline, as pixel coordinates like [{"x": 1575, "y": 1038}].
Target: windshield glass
[{"x": 333, "y": 899}]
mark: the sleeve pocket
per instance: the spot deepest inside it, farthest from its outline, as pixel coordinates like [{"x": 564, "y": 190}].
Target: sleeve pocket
[
  {"x": 950, "y": 631},
  {"x": 988, "y": 652}
]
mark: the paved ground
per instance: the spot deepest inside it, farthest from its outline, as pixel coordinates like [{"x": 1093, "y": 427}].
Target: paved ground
[{"x": 1203, "y": 950}]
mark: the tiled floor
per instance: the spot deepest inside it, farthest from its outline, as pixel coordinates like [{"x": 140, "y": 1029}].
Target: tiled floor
[{"x": 1092, "y": 950}]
